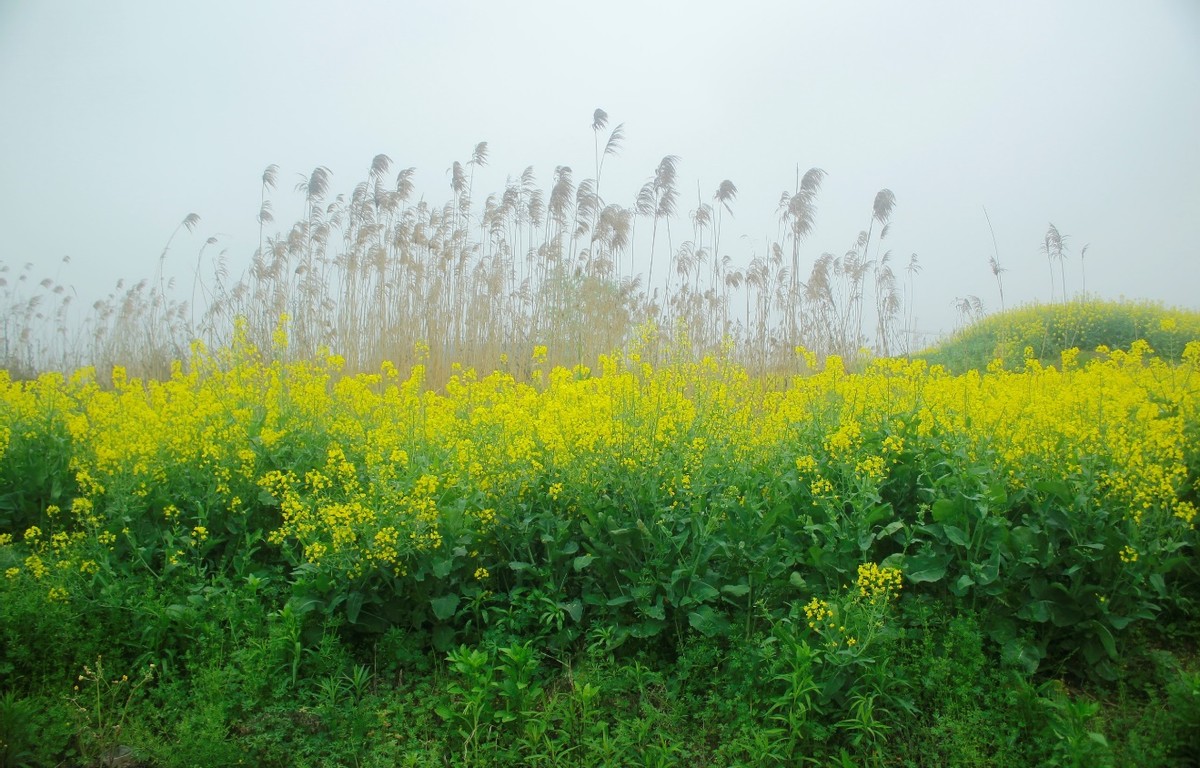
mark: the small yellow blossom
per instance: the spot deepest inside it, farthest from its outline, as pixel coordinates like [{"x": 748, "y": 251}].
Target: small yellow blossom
[
  {"x": 878, "y": 583},
  {"x": 817, "y": 611},
  {"x": 36, "y": 567}
]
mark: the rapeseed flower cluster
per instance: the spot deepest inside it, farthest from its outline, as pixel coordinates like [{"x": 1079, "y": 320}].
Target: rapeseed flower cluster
[
  {"x": 875, "y": 583},
  {"x": 818, "y": 612}
]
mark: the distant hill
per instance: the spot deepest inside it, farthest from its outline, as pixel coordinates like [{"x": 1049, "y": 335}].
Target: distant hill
[{"x": 1049, "y": 329}]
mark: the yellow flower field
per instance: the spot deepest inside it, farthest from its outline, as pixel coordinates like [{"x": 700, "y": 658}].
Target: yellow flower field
[
  {"x": 371, "y": 471},
  {"x": 812, "y": 520}
]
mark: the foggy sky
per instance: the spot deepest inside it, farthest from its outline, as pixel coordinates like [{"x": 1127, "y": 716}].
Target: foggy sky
[{"x": 117, "y": 119}]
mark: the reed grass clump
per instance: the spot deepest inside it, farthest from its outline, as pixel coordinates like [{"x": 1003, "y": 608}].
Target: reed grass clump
[{"x": 372, "y": 271}]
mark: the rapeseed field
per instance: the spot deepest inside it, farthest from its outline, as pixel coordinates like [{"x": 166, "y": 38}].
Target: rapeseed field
[{"x": 312, "y": 536}]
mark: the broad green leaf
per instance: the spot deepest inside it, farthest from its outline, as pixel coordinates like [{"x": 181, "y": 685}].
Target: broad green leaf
[
  {"x": 956, "y": 535},
  {"x": 928, "y": 567},
  {"x": 655, "y": 611},
  {"x": 1065, "y": 612},
  {"x": 998, "y": 495},
  {"x": 583, "y": 561},
  {"x": 865, "y": 539},
  {"x": 648, "y": 628},
  {"x": 1035, "y": 610},
  {"x": 946, "y": 510},
  {"x": 878, "y": 514},
  {"x": 445, "y": 606},
  {"x": 1023, "y": 654},
  {"x": 443, "y": 637},
  {"x": 894, "y": 560},
  {"x": 987, "y": 572},
  {"x": 1119, "y": 622},
  {"x": 961, "y": 586},
  {"x": 891, "y": 528},
  {"x": 574, "y": 610},
  {"x": 707, "y": 621},
  {"x": 702, "y": 592}
]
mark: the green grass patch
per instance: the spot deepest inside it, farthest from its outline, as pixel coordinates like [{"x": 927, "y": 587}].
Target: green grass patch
[{"x": 1045, "y": 331}]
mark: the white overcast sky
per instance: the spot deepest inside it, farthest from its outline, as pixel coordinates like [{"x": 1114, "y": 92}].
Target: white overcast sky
[{"x": 117, "y": 119}]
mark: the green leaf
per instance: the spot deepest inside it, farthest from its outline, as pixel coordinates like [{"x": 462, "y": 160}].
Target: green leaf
[
  {"x": 1119, "y": 622},
  {"x": 1065, "y": 612},
  {"x": 443, "y": 637},
  {"x": 702, "y": 592},
  {"x": 998, "y": 495},
  {"x": 1106, "y": 639},
  {"x": 445, "y": 606},
  {"x": 648, "y": 628},
  {"x": 1023, "y": 654},
  {"x": 304, "y": 604},
  {"x": 891, "y": 528},
  {"x": 708, "y": 622},
  {"x": 1035, "y": 610},
  {"x": 736, "y": 590},
  {"x": 797, "y": 581},
  {"x": 865, "y": 539},
  {"x": 961, "y": 586},
  {"x": 353, "y": 605},
  {"x": 894, "y": 560},
  {"x": 987, "y": 572},
  {"x": 655, "y": 611},
  {"x": 927, "y": 567},
  {"x": 945, "y": 509},
  {"x": 1055, "y": 488},
  {"x": 878, "y": 514},
  {"x": 956, "y": 535},
  {"x": 574, "y": 610},
  {"x": 583, "y": 561}
]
